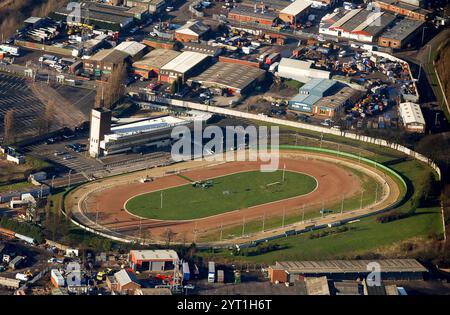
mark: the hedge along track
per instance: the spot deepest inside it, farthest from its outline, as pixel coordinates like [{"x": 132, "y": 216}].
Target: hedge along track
[{"x": 99, "y": 205}]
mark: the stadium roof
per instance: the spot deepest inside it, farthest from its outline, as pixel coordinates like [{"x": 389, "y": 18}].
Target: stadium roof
[
  {"x": 184, "y": 62},
  {"x": 156, "y": 59},
  {"x": 296, "y": 7},
  {"x": 229, "y": 75},
  {"x": 411, "y": 113},
  {"x": 161, "y": 254},
  {"x": 143, "y": 126},
  {"x": 403, "y": 29},
  {"x": 349, "y": 266}
]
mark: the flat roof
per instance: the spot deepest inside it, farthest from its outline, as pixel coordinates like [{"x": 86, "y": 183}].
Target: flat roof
[
  {"x": 317, "y": 286},
  {"x": 228, "y": 74},
  {"x": 296, "y": 7},
  {"x": 184, "y": 62},
  {"x": 245, "y": 11},
  {"x": 158, "y": 254},
  {"x": 411, "y": 113},
  {"x": 131, "y": 48},
  {"x": 32, "y": 20},
  {"x": 294, "y": 63},
  {"x": 403, "y": 29},
  {"x": 143, "y": 126},
  {"x": 156, "y": 59},
  {"x": 406, "y": 6},
  {"x": 100, "y": 12},
  {"x": 349, "y": 266}
]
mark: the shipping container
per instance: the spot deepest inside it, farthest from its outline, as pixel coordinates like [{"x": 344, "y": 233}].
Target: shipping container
[
  {"x": 272, "y": 58},
  {"x": 211, "y": 272},
  {"x": 56, "y": 278},
  {"x": 27, "y": 239},
  {"x": 15, "y": 263}
]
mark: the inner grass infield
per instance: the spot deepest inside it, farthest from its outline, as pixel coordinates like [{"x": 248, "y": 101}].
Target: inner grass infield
[{"x": 227, "y": 193}]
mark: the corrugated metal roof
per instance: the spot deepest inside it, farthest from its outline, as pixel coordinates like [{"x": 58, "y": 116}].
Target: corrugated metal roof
[
  {"x": 296, "y": 7},
  {"x": 161, "y": 254},
  {"x": 317, "y": 87},
  {"x": 350, "y": 266},
  {"x": 411, "y": 113},
  {"x": 124, "y": 277},
  {"x": 156, "y": 59},
  {"x": 130, "y": 47},
  {"x": 184, "y": 62}
]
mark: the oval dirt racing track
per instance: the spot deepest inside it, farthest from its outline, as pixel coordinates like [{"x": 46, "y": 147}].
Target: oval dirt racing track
[{"x": 100, "y": 205}]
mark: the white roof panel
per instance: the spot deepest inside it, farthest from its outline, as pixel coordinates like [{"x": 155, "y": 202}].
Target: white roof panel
[
  {"x": 296, "y": 7},
  {"x": 184, "y": 62},
  {"x": 411, "y": 113},
  {"x": 130, "y": 47},
  {"x": 161, "y": 254}
]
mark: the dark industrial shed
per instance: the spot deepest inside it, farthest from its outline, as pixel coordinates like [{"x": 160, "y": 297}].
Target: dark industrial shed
[{"x": 390, "y": 269}]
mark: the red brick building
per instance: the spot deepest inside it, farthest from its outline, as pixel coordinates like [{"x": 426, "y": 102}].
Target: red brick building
[{"x": 248, "y": 15}]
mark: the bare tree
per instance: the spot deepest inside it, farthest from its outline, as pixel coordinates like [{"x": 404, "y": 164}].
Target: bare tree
[
  {"x": 112, "y": 90},
  {"x": 9, "y": 126},
  {"x": 168, "y": 235}
]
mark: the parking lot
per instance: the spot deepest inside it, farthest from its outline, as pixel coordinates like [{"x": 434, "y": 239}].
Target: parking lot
[{"x": 15, "y": 94}]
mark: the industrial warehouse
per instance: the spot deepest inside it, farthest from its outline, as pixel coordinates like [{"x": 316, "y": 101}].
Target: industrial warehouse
[
  {"x": 300, "y": 70},
  {"x": 183, "y": 66},
  {"x": 283, "y": 272},
  {"x": 401, "y": 34},
  {"x": 150, "y": 65},
  {"x": 323, "y": 97},
  {"x": 231, "y": 77},
  {"x": 359, "y": 24}
]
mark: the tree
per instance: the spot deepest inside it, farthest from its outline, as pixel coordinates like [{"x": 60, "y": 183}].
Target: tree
[
  {"x": 111, "y": 91},
  {"x": 9, "y": 126},
  {"x": 46, "y": 119},
  {"x": 168, "y": 235}
]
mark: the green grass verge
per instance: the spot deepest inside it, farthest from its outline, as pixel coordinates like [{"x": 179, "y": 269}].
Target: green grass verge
[
  {"x": 16, "y": 187},
  {"x": 228, "y": 193},
  {"x": 362, "y": 236}
]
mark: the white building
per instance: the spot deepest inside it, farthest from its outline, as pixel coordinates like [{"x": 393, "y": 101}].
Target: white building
[
  {"x": 100, "y": 125},
  {"x": 300, "y": 70},
  {"x": 154, "y": 132},
  {"x": 134, "y": 49},
  {"x": 358, "y": 24},
  {"x": 412, "y": 117}
]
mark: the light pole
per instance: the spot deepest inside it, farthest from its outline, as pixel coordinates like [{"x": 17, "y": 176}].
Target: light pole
[{"x": 70, "y": 172}]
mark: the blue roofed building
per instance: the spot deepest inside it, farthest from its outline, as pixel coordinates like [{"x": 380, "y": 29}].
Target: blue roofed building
[{"x": 310, "y": 93}]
